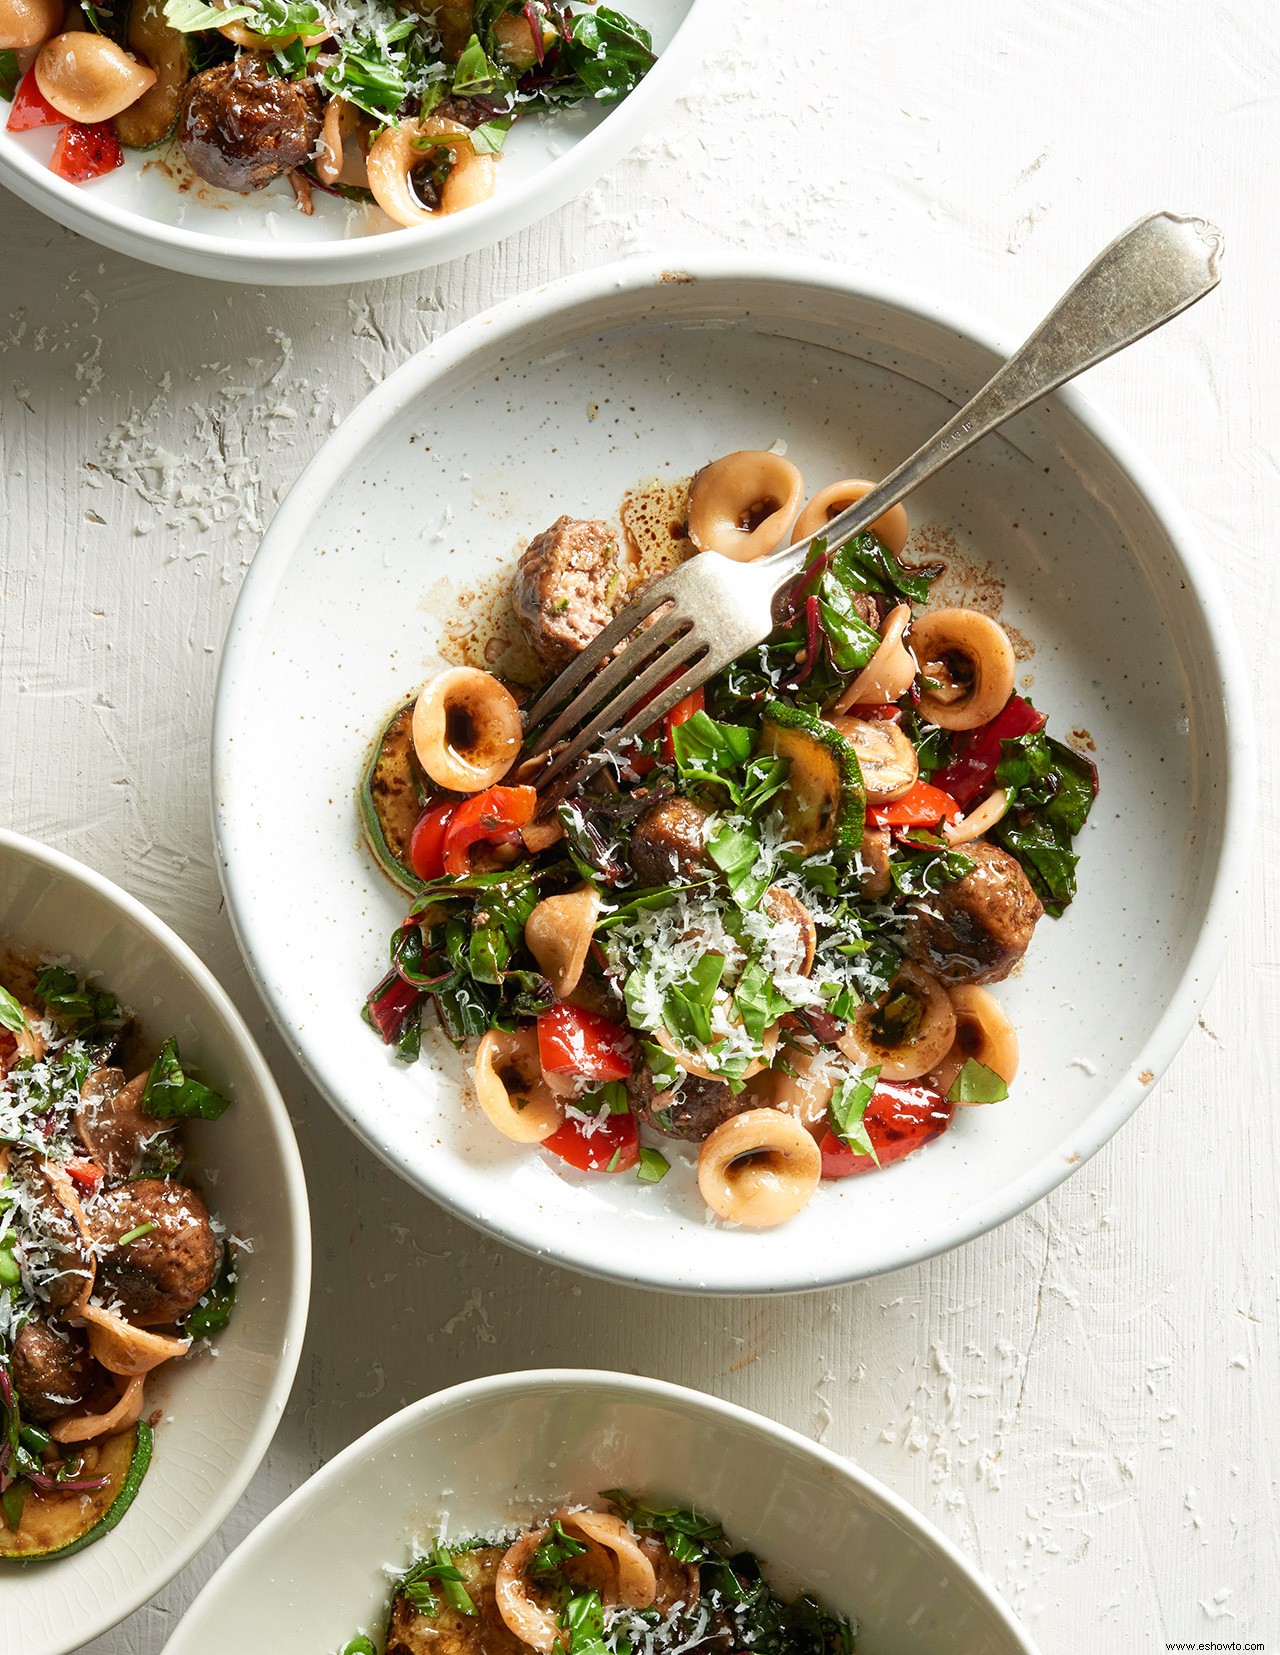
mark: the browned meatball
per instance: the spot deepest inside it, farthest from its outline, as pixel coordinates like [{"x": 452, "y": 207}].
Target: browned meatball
[
  {"x": 111, "y": 1125},
  {"x": 52, "y": 1370},
  {"x": 566, "y": 587},
  {"x": 162, "y": 1275},
  {"x": 669, "y": 842},
  {"x": 691, "y": 1110},
  {"x": 976, "y": 929},
  {"x": 243, "y": 126},
  {"x": 56, "y": 1260}
]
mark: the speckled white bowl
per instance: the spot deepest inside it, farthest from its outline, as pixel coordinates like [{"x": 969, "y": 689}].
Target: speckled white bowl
[
  {"x": 220, "y": 1412},
  {"x": 560, "y": 400},
  {"x": 549, "y": 158},
  {"x": 499, "y": 1451}
]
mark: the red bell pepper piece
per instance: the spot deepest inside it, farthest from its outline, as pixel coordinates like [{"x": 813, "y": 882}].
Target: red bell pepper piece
[
  {"x": 83, "y": 152},
  {"x": 426, "y": 842},
  {"x": 389, "y": 1006},
  {"x": 923, "y": 806},
  {"x": 574, "y": 1041},
  {"x": 973, "y": 770},
  {"x": 610, "y": 1145},
  {"x": 88, "y": 1174},
  {"x": 888, "y": 711},
  {"x": 901, "y": 1117},
  {"x": 30, "y": 108},
  {"x": 493, "y": 817},
  {"x": 694, "y": 702}
]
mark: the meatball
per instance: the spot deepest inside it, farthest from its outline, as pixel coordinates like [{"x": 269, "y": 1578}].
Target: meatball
[
  {"x": 692, "y": 1110},
  {"x": 162, "y": 1275},
  {"x": 565, "y": 588},
  {"x": 976, "y": 929},
  {"x": 111, "y": 1125},
  {"x": 51, "y": 1368},
  {"x": 242, "y": 126},
  {"x": 669, "y": 842}
]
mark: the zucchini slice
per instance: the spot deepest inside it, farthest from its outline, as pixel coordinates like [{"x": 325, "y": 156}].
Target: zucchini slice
[
  {"x": 154, "y": 117},
  {"x": 823, "y": 803},
  {"x": 392, "y": 797},
  {"x": 58, "y": 1525}
]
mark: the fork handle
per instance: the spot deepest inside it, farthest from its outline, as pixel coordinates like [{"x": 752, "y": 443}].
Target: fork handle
[{"x": 1145, "y": 278}]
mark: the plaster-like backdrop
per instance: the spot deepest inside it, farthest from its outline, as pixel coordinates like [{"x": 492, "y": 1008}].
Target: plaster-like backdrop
[{"x": 1084, "y": 1400}]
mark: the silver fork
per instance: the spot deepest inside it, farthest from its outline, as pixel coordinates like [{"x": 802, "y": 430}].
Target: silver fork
[{"x": 710, "y": 610}]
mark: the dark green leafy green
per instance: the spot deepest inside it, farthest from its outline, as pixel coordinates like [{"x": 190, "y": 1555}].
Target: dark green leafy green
[
  {"x": 72, "y": 1004},
  {"x": 609, "y": 53},
  {"x": 1051, "y": 791},
  {"x": 687, "y": 1536},
  {"x": 10, "y": 75},
  {"x": 171, "y": 1094},
  {"x": 921, "y": 864},
  {"x": 213, "y": 1312},
  {"x": 865, "y": 564}
]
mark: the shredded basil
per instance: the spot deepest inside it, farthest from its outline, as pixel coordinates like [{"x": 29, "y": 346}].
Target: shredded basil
[
  {"x": 171, "y": 1094},
  {"x": 11, "y": 1014},
  {"x": 976, "y": 1083},
  {"x": 847, "y": 1110}
]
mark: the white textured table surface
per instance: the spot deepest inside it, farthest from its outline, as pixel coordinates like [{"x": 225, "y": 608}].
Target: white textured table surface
[{"x": 1086, "y": 1401}]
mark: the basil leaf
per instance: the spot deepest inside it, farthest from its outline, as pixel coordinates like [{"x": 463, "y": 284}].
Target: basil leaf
[
  {"x": 688, "y": 1537},
  {"x": 847, "y": 1110},
  {"x": 191, "y": 16},
  {"x": 653, "y": 1166},
  {"x": 11, "y": 1014},
  {"x": 489, "y": 137},
  {"x": 556, "y": 1549},
  {"x": 977, "y": 1084},
  {"x": 170, "y": 1094},
  {"x": 475, "y": 73},
  {"x": 706, "y": 749},
  {"x": 738, "y": 856}
]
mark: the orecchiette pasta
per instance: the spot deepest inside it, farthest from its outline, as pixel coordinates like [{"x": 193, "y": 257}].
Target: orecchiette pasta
[
  {"x": 466, "y": 729},
  {"x": 967, "y": 667},
  {"x": 510, "y": 1087},
  {"x": 802, "y": 1086},
  {"x": 982, "y": 1032},
  {"x": 759, "y": 1168},
  {"x": 126, "y": 1411},
  {"x": 907, "y": 1031},
  {"x": 892, "y": 528},
  {"x": 978, "y": 821},
  {"x": 28, "y": 23},
  {"x": 888, "y": 761},
  {"x": 524, "y": 1618},
  {"x": 124, "y": 1349},
  {"x": 398, "y": 151},
  {"x": 87, "y": 77},
  {"x": 636, "y": 1583},
  {"x": 742, "y": 505},
  {"x": 558, "y": 933},
  {"x": 890, "y": 672}
]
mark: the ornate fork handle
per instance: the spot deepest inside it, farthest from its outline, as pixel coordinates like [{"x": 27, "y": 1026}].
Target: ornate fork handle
[{"x": 1157, "y": 268}]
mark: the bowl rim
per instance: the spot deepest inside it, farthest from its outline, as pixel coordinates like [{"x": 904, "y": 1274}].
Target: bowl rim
[
  {"x": 497, "y": 1388},
  {"x": 241, "y": 258},
  {"x": 523, "y": 314},
  {"x": 293, "y": 1193}
]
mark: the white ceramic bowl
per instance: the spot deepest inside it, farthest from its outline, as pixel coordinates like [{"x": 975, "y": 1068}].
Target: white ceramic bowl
[
  {"x": 557, "y": 402},
  {"x": 500, "y": 1451},
  {"x": 549, "y": 158},
  {"x": 221, "y": 1412}
]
